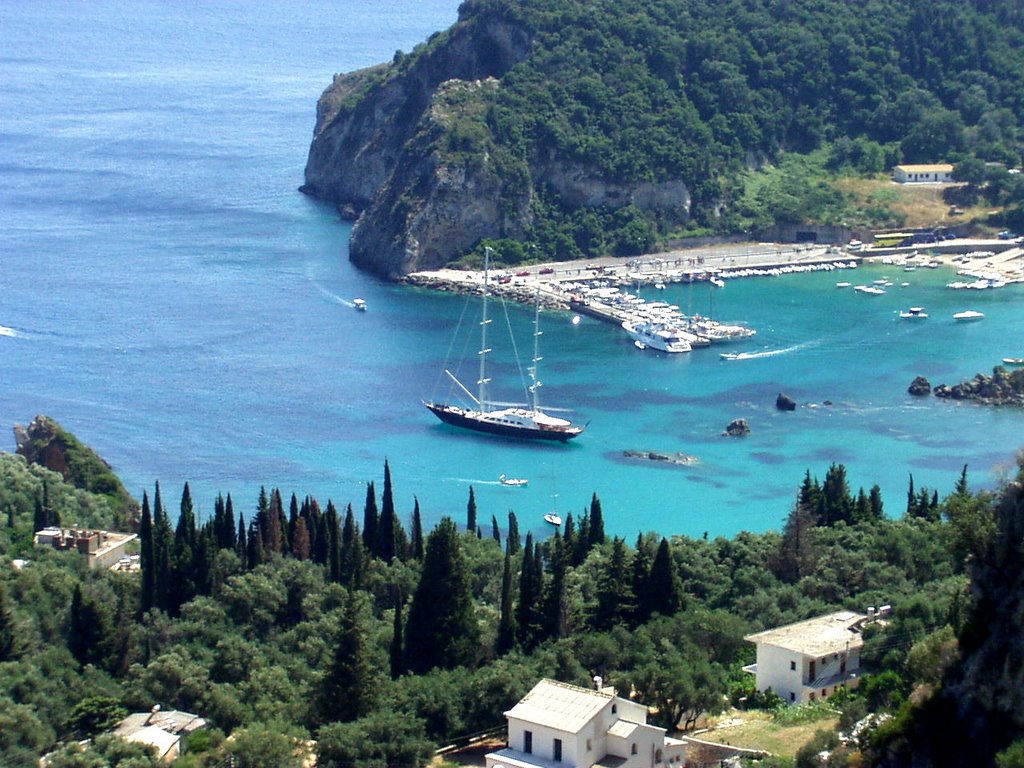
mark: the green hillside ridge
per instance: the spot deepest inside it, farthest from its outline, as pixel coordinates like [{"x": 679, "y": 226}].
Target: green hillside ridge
[{"x": 611, "y": 126}]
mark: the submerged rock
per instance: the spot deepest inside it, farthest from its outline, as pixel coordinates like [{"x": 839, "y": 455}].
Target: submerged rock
[{"x": 683, "y": 459}]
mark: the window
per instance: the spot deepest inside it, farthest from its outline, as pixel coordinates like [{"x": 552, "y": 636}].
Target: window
[
  {"x": 632, "y": 749},
  {"x": 588, "y": 745},
  {"x": 792, "y": 666},
  {"x": 657, "y": 756},
  {"x": 615, "y": 708},
  {"x": 792, "y": 696},
  {"x": 557, "y": 751},
  {"x": 528, "y": 742}
]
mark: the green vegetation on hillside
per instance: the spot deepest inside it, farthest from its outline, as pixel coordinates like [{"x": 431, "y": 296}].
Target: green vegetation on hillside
[
  {"x": 723, "y": 94},
  {"x": 287, "y": 620}
]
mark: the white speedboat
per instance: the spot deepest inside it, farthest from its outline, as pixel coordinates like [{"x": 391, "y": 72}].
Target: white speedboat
[
  {"x": 1013, "y": 360},
  {"x": 653, "y": 335},
  {"x": 359, "y": 304},
  {"x": 914, "y": 313},
  {"x": 552, "y": 518},
  {"x": 735, "y": 355},
  {"x": 871, "y": 290},
  {"x": 512, "y": 481},
  {"x": 967, "y": 315},
  {"x": 842, "y": 284}
]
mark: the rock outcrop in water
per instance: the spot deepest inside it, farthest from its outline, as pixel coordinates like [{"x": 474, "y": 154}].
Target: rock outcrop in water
[
  {"x": 784, "y": 402},
  {"x": 1001, "y": 388},
  {"x": 737, "y": 428},
  {"x": 920, "y": 386}
]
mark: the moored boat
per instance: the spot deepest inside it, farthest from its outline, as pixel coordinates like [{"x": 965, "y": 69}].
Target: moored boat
[
  {"x": 553, "y": 518},
  {"x": 914, "y": 313},
  {"x": 1013, "y": 360},
  {"x": 517, "y": 482},
  {"x": 659, "y": 336},
  {"x": 968, "y": 315}
]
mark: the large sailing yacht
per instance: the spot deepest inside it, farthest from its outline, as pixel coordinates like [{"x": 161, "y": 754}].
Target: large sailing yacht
[{"x": 525, "y": 421}]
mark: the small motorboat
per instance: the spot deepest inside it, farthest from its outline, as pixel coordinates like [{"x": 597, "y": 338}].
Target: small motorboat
[
  {"x": 914, "y": 313},
  {"x": 513, "y": 481},
  {"x": 359, "y": 304},
  {"x": 842, "y": 284},
  {"x": 1013, "y": 360},
  {"x": 735, "y": 355},
  {"x": 553, "y": 518},
  {"x": 968, "y": 315}
]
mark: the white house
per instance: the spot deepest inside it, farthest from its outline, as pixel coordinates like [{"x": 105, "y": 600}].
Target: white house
[
  {"x": 910, "y": 174},
  {"x": 101, "y": 549},
  {"x": 163, "y": 730},
  {"x": 557, "y": 725},
  {"x": 810, "y": 659}
]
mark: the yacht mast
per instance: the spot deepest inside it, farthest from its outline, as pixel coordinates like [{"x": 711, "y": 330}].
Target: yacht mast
[
  {"x": 535, "y": 385},
  {"x": 482, "y": 381}
]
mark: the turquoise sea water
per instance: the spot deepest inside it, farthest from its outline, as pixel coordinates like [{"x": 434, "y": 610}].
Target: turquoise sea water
[{"x": 168, "y": 295}]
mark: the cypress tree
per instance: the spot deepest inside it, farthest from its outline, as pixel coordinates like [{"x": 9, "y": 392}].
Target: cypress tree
[
  {"x": 396, "y": 652},
  {"x": 10, "y": 516},
  {"x": 147, "y": 586},
  {"x": 348, "y": 689},
  {"x": 163, "y": 543},
  {"x": 9, "y": 648},
  {"x": 89, "y": 630},
  {"x": 442, "y": 629},
  {"x": 911, "y": 498},
  {"x": 471, "y": 511},
  {"x": 530, "y": 611},
  {"x": 495, "y": 530},
  {"x": 506, "y": 624},
  {"x": 556, "y": 610},
  {"x": 569, "y": 534},
  {"x": 241, "y": 544},
  {"x": 641, "y": 582},
  {"x": 370, "y": 519},
  {"x": 596, "y": 522},
  {"x": 875, "y": 502},
  {"x": 182, "y": 586},
  {"x": 353, "y": 554},
  {"x": 39, "y": 518},
  {"x": 417, "y": 531},
  {"x": 255, "y": 554},
  {"x": 300, "y": 540},
  {"x": 513, "y": 533},
  {"x": 387, "y": 525},
  {"x": 961, "y": 489},
  {"x": 228, "y": 537},
  {"x": 581, "y": 547},
  {"x": 614, "y": 596},
  {"x": 332, "y": 529},
  {"x": 293, "y": 522},
  {"x": 664, "y": 587}
]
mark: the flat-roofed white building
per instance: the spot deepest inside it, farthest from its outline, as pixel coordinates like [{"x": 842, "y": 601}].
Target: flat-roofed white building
[
  {"x": 101, "y": 549},
  {"x": 923, "y": 174},
  {"x": 810, "y": 659},
  {"x": 557, "y": 725}
]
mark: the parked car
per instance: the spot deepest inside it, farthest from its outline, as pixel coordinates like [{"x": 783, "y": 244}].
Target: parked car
[{"x": 547, "y": 271}]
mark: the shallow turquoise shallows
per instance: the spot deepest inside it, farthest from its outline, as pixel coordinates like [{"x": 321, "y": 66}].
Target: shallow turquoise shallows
[{"x": 168, "y": 295}]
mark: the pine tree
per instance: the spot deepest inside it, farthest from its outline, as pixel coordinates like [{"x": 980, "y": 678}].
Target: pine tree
[
  {"x": 961, "y": 488},
  {"x": 147, "y": 566},
  {"x": 875, "y": 503},
  {"x": 664, "y": 587},
  {"x": 417, "y": 531},
  {"x": 442, "y": 629},
  {"x": 9, "y": 647},
  {"x": 370, "y": 519},
  {"x": 471, "y": 511},
  {"x": 506, "y": 624},
  {"x": 596, "y": 522},
  {"x": 797, "y": 550},
  {"x": 349, "y": 685}
]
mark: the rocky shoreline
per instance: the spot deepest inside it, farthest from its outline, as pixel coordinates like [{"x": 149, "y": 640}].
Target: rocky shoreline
[{"x": 1003, "y": 387}]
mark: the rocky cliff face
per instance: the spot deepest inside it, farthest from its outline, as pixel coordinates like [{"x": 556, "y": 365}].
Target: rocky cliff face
[{"x": 386, "y": 149}]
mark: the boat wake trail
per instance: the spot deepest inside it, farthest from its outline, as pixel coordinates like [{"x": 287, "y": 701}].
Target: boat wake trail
[
  {"x": 332, "y": 296},
  {"x": 774, "y": 352}
]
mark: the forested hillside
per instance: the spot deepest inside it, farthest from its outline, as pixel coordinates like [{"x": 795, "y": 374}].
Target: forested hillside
[
  {"x": 602, "y": 126},
  {"x": 281, "y": 619}
]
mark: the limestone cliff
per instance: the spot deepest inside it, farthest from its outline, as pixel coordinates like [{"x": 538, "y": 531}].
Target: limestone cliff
[
  {"x": 46, "y": 443},
  {"x": 409, "y": 149}
]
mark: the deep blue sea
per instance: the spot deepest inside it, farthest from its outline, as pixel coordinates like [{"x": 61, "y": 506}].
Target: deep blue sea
[{"x": 169, "y": 296}]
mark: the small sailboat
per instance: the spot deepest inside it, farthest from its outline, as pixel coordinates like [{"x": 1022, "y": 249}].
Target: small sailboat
[
  {"x": 525, "y": 421},
  {"x": 553, "y": 518},
  {"x": 913, "y": 313},
  {"x": 512, "y": 481}
]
